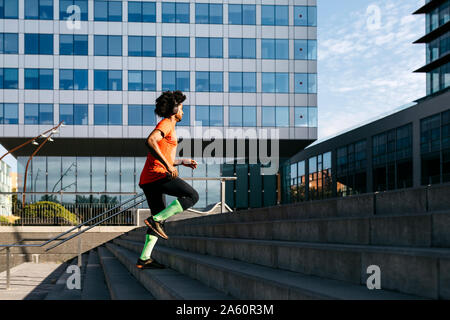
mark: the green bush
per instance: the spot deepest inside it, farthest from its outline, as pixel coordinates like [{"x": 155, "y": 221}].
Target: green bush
[
  {"x": 49, "y": 211},
  {"x": 4, "y": 221}
]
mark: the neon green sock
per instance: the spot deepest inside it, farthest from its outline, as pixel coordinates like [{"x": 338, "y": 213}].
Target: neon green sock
[
  {"x": 172, "y": 209},
  {"x": 150, "y": 242}
]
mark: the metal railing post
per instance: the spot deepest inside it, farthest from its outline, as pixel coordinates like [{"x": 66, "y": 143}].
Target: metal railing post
[
  {"x": 79, "y": 250},
  {"x": 222, "y": 195},
  {"x": 8, "y": 272}
]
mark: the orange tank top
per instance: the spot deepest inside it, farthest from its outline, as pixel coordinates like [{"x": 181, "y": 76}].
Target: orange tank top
[{"x": 153, "y": 168}]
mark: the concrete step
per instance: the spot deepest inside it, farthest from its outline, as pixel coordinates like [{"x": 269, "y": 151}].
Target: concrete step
[
  {"x": 418, "y": 230},
  {"x": 94, "y": 286},
  {"x": 418, "y": 271},
  {"x": 122, "y": 285},
  {"x": 61, "y": 290},
  {"x": 166, "y": 283},
  {"x": 249, "y": 281}
]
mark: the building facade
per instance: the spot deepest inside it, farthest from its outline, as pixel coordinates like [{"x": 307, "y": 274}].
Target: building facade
[
  {"x": 409, "y": 148},
  {"x": 99, "y": 65},
  {"x": 5, "y": 186},
  {"x": 437, "y": 41}
]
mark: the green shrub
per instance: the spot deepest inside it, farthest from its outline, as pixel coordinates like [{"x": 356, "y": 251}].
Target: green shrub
[
  {"x": 49, "y": 211},
  {"x": 4, "y": 221}
]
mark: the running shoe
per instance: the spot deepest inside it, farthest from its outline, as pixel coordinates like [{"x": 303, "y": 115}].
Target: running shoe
[
  {"x": 149, "y": 264},
  {"x": 156, "y": 227}
]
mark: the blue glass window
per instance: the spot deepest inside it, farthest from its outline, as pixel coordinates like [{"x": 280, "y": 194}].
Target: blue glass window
[
  {"x": 39, "y": 9},
  {"x": 301, "y": 83},
  {"x": 9, "y": 43},
  {"x": 31, "y": 113},
  {"x": 249, "y": 116},
  {"x": 107, "y": 45},
  {"x": 312, "y": 49},
  {"x": 141, "y": 115},
  {"x": 268, "y": 15},
  {"x": 312, "y": 16},
  {"x": 73, "y": 114},
  {"x": 142, "y": 46},
  {"x": 275, "y": 82},
  {"x": 108, "y": 80},
  {"x": 9, "y": 9},
  {"x": 275, "y": 116},
  {"x": 216, "y": 81},
  {"x": 9, "y": 78},
  {"x": 107, "y": 10},
  {"x": 209, "y": 115},
  {"x": 107, "y": 114},
  {"x": 115, "y": 114},
  {"x": 186, "y": 120},
  {"x": 100, "y": 114},
  {"x": 235, "y": 116},
  {"x": 268, "y": 116},
  {"x": 235, "y": 48},
  {"x": 38, "y": 43},
  {"x": 242, "y": 81},
  {"x": 176, "y": 80},
  {"x": 175, "y": 47},
  {"x": 67, "y": 9},
  {"x": 275, "y": 49},
  {"x": 100, "y": 79},
  {"x": 148, "y": 115},
  {"x": 300, "y": 16},
  {"x": 300, "y": 49},
  {"x": 100, "y": 10},
  {"x": 208, "y": 13},
  {"x": 281, "y": 15},
  {"x": 282, "y": 116},
  {"x": 312, "y": 83},
  {"x": 140, "y": 11},
  {"x": 305, "y": 16},
  {"x": 301, "y": 116},
  {"x": 46, "y": 79},
  {"x": 134, "y": 115},
  {"x": 242, "y": 14},
  {"x": 73, "y": 79},
  {"x": 175, "y": 12},
  {"x": 9, "y": 113},
  {"x": 274, "y": 15},
  {"x": 70, "y": 44},
  {"x": 209, "y": 47},
  {"x": 239, "y": 48},
  {"x": 141, "y": 80},
  {"x": 134, "y": 80},
  {"x": 148, "y": 80},
  {"x": 201, "y": 13},
  {"x": 38, "y": 113},
  {"x": 312, "y": 117},
  {"x": 31, "y": 78}
]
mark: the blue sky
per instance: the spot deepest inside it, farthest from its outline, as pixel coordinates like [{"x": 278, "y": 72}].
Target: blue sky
[{"x": 365, "y": 61}]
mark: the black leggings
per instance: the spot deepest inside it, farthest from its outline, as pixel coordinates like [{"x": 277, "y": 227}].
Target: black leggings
[{"x": 187, "y": 196}]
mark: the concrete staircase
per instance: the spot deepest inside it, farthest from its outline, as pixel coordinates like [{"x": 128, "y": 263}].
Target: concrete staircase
[{"x": 313, "y": 250}]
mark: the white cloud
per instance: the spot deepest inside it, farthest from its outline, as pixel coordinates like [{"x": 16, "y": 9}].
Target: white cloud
[{"x": 364, "y": 72}]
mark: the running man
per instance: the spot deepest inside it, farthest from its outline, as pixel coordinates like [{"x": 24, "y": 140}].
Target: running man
[{"x": 160, "y": 176}]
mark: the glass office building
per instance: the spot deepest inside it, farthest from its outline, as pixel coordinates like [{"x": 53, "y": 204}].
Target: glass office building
[
  {"x": 99, "y": 66},
  {"x": 409, "y": 148},
  {"x": 437, "y": 41}
]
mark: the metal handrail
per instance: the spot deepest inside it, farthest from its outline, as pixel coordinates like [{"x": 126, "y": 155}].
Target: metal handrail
[
  {"x": 9, "y": 246},
  {"x": 79, "y": 225}
]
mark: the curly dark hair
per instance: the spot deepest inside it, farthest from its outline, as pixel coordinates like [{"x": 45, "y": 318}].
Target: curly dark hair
[{"x": 167, "y": 102}]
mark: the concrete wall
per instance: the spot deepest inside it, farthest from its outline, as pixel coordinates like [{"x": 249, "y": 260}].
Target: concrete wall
[{"x": 36, "y": 235}]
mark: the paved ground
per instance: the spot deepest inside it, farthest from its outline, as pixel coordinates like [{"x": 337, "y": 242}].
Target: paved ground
[{"x": 30, "y": 281}]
